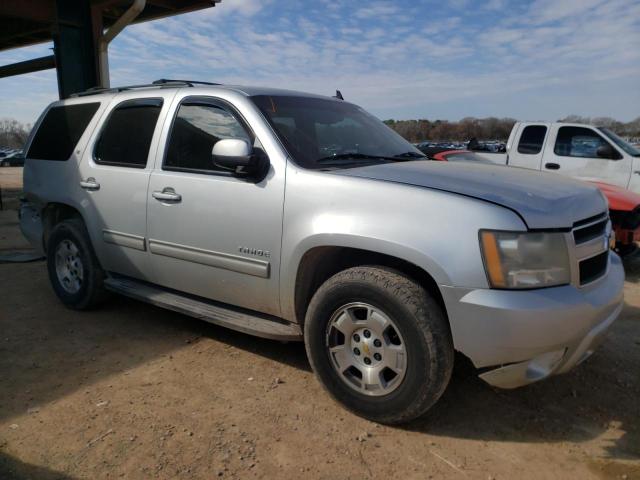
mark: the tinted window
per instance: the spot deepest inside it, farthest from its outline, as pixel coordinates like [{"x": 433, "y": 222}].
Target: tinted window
[
  {"x": 126, "y": 136},
  {"x": 532, "y": 139},
  {"x": 196, "y": 129},
  {"x": 578, "y": 142},
  {"x": 60, "y": 130}
]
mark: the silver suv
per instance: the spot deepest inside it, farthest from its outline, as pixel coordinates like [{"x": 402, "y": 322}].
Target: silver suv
[{"x": 293, "y": 216}]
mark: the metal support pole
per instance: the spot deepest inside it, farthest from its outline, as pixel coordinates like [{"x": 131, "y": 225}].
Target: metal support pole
[
  {"x": 74, "y": 47},
  {"x": 103, "y": 41}
]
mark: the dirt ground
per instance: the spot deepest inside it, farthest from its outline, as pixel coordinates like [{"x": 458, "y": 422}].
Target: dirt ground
[{"x": 133, "y": 391}]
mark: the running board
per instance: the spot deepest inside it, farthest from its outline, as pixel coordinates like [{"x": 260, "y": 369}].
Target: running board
[{"x": 245, "y": 321}]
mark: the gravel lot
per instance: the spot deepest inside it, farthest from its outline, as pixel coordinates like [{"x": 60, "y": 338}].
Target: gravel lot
[{"x": 133, "y": 391}]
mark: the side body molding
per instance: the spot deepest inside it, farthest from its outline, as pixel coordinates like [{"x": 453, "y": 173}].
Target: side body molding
[
  {"x": 234, "y": 263},
  {"x": 124, "y": 239}
]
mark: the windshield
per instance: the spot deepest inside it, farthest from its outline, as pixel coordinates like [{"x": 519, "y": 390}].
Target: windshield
[
  {"x": 627, "y": 147},
  {"x": 323, "y": 133}
]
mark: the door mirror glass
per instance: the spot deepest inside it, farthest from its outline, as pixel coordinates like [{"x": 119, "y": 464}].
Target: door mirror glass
[
  {"x": 237, "y": 156},
  {"x": 605, "y": 151}
]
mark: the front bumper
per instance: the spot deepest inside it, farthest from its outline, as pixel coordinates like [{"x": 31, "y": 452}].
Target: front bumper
[{"x": 526, "y": 336}]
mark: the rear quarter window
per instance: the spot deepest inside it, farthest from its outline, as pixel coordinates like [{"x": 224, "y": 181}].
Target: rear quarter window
[
  {"x": 60, "y": 130},
  {"x": 532, "y": 139}
]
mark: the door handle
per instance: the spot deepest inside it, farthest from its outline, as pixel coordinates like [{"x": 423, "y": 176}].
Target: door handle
[
  {"x": 637, "y": 172},
  {"x": 552, "y": 166},
  {"x": 90, "y": 184},
  {"x": 167, "y": 194}
]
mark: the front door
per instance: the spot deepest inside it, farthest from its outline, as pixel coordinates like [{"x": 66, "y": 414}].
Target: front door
[
  {"x": 212, "y": 234},
  {"x": 115, "y": 175},
  {"x": 573, "y": 152}
]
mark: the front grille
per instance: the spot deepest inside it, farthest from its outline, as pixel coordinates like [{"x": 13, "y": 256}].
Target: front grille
[
  {"x": 593, "y": 268},
  {"x": 584, "y": 234}
]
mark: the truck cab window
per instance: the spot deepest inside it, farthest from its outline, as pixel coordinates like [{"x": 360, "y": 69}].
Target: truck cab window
[
  {"x": 532, "y": 139},
  {"x": 126, "y": 136},
  {"x": 578, "y": 142},
  {"x": 196, "y": 129}
]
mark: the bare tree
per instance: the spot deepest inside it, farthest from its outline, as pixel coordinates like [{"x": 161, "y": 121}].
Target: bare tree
[{"x": 13, "y": 134}]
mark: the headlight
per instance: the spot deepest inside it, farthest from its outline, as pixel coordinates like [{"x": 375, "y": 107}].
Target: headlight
[{"x": 525, "y": 260}]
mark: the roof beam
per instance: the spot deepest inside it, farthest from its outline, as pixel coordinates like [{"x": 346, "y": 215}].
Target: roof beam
[{"x": 29, "y": 66}]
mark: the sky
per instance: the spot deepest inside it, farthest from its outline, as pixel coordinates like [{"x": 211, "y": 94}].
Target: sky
[{"x": 529, "y": 60}]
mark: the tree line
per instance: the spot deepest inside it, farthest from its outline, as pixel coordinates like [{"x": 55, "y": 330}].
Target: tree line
[
  {"x": 13, "y": 134},
  {"x": 493, "y": 128}
]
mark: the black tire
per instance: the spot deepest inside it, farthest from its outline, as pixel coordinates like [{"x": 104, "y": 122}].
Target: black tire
[
  {"x": 421, "y": 323},
  {"x": 91, "y": 291},
  {"x": 626, "y": 250}
]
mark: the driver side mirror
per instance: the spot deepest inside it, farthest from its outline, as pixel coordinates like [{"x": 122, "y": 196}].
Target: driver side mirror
[
  {"x": 606, "y": 151},
  {"x": 239, "y": 157}
]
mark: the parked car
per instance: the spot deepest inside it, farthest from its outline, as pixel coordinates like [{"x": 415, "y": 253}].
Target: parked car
[
  {"x": 13, "y": 160},
  {"x": 575, "y": 150},
  {"x": 225, "y": 206},
  {"x": 624, "y": 205}
]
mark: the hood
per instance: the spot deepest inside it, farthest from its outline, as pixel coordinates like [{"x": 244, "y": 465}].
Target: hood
[
  {"x": 619, "y": 198},
  {"x": 543, "y": 200}
]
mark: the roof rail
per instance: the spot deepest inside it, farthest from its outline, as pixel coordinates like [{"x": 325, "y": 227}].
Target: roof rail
[{"x": 162, "y": 83}]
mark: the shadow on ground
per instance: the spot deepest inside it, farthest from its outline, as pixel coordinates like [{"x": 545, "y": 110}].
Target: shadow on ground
[{"x": 13, "y": 469}]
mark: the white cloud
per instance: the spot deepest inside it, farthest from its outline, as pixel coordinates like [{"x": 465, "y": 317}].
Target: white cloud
[{"x": 393, "y": 58}]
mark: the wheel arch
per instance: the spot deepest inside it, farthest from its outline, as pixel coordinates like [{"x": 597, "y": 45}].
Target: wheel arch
[
  {"x": 52, "y": 214},
  {"x": 319, "y": 263}
]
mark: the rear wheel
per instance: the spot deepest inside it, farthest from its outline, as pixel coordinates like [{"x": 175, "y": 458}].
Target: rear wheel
[
  {"x": 74, "y": 271},
  {"x": 379, "y": 343}
]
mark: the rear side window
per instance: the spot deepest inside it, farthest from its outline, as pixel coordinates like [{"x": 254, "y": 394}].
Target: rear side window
[
  {"x": 60, "y": 130},
  {"x": 532, "y": 139},
  {"x": 127, "y": 133},
  {"x": 196, "y": 129}
]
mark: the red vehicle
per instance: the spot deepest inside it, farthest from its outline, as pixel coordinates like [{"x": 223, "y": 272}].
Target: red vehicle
[{"x": 624, "y": 205}]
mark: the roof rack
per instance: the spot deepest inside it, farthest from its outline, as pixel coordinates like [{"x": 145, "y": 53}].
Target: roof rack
[
  {"x": 161, "y": 83},
  {"x": 190, "y": 83}
]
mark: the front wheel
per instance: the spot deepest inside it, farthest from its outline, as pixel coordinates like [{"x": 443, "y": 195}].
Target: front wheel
[{"x": 379, "y": 343}]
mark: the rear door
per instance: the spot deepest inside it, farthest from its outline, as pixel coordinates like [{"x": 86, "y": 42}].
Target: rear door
[
  {"x": 114, "y": 176},
  {"x": 212, "y": 234},
  {"x": 572, "y": 151},
  {"x": 529, "y": 147}
]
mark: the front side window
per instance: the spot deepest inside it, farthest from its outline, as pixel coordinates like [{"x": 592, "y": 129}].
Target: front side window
[
  {"x": 532, "y": 139},
  {"x": 323, "y": 133},
  {"x": 578, "y": 142},
  {"x": 60, "y": 131},
  {"x": 196, "y": 129},
  {"x": 126, "y": 137}
]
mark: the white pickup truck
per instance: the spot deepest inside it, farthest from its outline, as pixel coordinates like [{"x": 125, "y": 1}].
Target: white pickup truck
[{"x": 580, "y": 151}]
